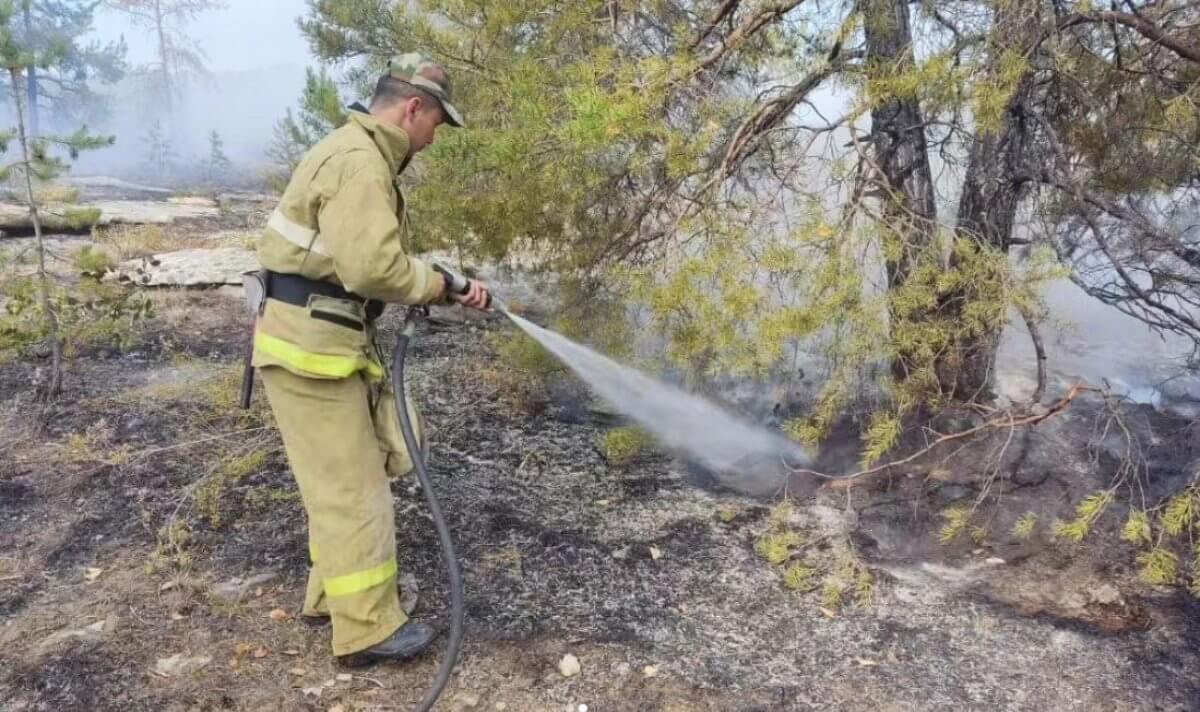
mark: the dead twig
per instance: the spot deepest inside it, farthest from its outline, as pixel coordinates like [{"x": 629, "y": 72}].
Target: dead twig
[{"x": 1010, "y": 421}]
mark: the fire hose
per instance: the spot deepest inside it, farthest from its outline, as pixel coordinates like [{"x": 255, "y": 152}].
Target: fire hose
[{"x": 456, "y": 284}]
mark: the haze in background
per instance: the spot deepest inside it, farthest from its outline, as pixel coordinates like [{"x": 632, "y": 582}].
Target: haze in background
[{"x": 257, "y": 57}]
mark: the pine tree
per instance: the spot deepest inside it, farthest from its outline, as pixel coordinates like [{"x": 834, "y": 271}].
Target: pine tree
[
  {"x": 65, "y": 88},
  {"x": 160, "y": 154},
  {"x": 218, "y": 164},
  {"x": 36, "y": 159},
  {"x": 320, "y": 112},
  {"x": 178, "y": 55}
]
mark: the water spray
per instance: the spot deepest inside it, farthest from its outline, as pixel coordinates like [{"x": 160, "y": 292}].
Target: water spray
[{"x": 679, "y": 419}]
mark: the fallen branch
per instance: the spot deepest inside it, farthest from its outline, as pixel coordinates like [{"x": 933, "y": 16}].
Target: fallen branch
[{"x": 1010, "y": 421}]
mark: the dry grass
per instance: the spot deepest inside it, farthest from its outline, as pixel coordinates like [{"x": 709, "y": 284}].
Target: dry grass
[{"x": 53, "y": 193}]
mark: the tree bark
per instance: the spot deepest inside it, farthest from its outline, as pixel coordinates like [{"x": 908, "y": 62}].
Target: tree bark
[
  {"x": 899, "y": 146},
  {"x": 165, "y": 69},
  {"x": 31, "y": 78},
  {"x": 54, "y": 386}
]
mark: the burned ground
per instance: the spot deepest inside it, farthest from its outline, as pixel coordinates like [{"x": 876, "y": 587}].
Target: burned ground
[{"x": 117, "y": 556}]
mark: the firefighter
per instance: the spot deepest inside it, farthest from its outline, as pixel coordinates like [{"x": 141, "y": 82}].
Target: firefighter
[{"x": 333, "y": 253}]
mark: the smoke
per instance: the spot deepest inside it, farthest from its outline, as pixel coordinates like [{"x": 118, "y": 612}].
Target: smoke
[{"x": 256, "y": 58}]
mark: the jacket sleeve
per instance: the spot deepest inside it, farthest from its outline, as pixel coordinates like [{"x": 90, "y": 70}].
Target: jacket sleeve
[{"x": 358, "y": 224}]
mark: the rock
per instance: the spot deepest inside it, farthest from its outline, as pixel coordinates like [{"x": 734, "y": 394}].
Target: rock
[
  {"x": 313, "y": 692},
  {"x": 501, "y": 706},
  {"x": 467, "y": 700},
  {"x": 59, "y": 217},
  {"x": 622, "y": 669},
  {"x": 86, "y": 637},
  {"x": 178, "y": 664},
  {"x": 569, "y": 666},
  {"x": 236, "y": 589},
  {"x": 656, "y": 553},
  {"x": 337, "y": 708},
  {"x": 344, "y": 677},
  {"x": 650, "y": 671},
  {"x": 189, "y": 268},
  {"x": 410, "y": 593},
  {"x": 1105, "y": 594},
  {"x": 298, "y": 672}
]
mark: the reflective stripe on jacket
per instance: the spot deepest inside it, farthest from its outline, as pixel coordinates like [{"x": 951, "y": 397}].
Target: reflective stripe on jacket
[{"x": 341, "y": 219}]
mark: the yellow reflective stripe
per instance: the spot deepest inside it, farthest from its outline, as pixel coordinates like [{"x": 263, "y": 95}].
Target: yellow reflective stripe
[
  {"x": 323, "y": 364},
  {"x": 359, "y": 581},
  {"x": 296, "y": 233}
]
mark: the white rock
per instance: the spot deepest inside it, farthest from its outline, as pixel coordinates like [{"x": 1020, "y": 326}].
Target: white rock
[
  {"x": 179, "y": 664},
  {"x": 189, "y": 268},
  {"x": 569, "y": 666},
  {"x": 235, "y": 589}
]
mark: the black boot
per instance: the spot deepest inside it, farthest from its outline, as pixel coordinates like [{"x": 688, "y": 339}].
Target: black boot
[{"x": 408, "y": 641}]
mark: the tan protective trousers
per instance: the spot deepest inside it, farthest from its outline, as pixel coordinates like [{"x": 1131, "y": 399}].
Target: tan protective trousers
[{"x": 342, "y": 443}]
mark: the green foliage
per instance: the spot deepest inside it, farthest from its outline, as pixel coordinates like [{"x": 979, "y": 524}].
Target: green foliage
[
  {"x": 1086, "y": 513},
  {"x": 1159, "y": 567},
  {"x": 1023, "y": 528},
  {"x": 218, "y": 164},
  {"x": 1137, "y": 528},
  {"x": 957, "y": 521},
  {"x": 92, "y": 262},
  {"x": 210, "y": 496},
  {"x": 776, "y": 547},
  {"x": 90, "y": 314},
  {"x": 799, "y": 577},
  {"x": 621, "y": 445},
  {"x": 76, "y": 219},
  {"x": 1180, "y": 512},
  {"x": 320, "y": 113},
  {"x": 69, "y": 66},
  {"x": 160, "y": 153}
]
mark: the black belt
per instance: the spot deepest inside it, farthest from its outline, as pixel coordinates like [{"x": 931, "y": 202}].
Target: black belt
[{"x": 294, "y": 289}]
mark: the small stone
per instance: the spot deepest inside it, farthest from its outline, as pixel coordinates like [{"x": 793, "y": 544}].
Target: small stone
[
  {"x": 501, "y": 706},
  {"x": 92, "y": 573},
  {"x": 314, "y": 692},
  {"x": 569, "y": 666},
  {"x": 995, "y": 561},
  {"x": 337, "y": 708},
  {"x": 178, "y": 664},
  {"x": 622, "y": 669},
  {"x": 260, "y": 652},
  {"x": 344, "y": 677},
  {"x": 650, "y": 671},
  {"x": 278, "y": 615},
  {"x": 621, "y": 553},
  {"x": 410, "y": 593},
  {"x": 1105, "y": 594},
  {"x": 656, "y": 553},
  {"x": 583, "y": 708},
  {"x": 467, "y": 700},
  {"x": 299, "y": 672}
]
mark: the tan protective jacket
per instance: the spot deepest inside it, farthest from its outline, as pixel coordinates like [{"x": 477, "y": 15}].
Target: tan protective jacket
[{"x": 342, "y": 220}]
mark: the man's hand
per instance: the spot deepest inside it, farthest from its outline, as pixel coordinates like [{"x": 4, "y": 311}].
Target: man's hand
[{"x": 476, "y": 296}]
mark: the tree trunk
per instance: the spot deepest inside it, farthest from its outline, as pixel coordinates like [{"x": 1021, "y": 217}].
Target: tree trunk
[
  {"x": 987, "y": 209},
  {"x": 164, "y": 58},
  {"x": 993, "y": 187},
  {"x": 31, "y": 75},
  {"x": 54, "y": 386},
  {"x": 900, "y": 150}
]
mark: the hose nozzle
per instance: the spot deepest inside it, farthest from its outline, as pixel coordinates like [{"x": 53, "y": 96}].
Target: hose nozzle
[{"x": 457, "y": 283}]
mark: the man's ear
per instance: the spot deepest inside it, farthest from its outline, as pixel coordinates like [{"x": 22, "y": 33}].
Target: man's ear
[{"x": 413, "y": 106}]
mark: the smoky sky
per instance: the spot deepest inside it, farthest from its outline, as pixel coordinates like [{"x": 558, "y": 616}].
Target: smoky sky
[{"x": 246, "y": 34}]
